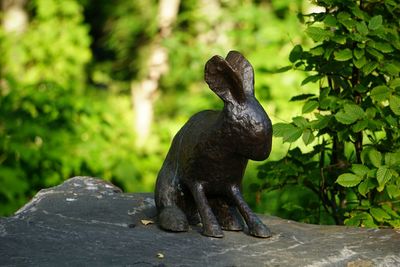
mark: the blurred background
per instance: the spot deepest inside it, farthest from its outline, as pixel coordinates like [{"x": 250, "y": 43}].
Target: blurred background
[{"x": 99, "y": 88}]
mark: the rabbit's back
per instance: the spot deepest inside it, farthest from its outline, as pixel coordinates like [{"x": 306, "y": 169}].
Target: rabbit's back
[{"x": 185, "y": 148}]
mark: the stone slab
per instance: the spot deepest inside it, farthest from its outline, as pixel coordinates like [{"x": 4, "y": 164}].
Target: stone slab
[{"x": 88, "y": 222}]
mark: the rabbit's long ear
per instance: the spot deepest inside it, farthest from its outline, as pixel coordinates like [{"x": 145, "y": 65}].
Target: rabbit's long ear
[
  {"x": 223, "y": 80},
  {"x": 243, "y": 67}
]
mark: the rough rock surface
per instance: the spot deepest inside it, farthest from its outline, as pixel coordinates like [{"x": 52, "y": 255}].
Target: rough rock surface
[{"x": 88, "y": 222}]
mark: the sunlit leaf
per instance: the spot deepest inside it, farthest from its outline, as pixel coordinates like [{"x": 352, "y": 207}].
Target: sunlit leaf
[
  {"x": 300, "y": 121},
  {"x": 280, "y": 129},
  {"x": 358, "y": 53},
  {"x": 309, "y": 106},
  {"x": 354, "y": 110},
  {"x": 359, "y": 126},
  {"x": 383, "y": 175},
  {"x": 375, "y": 157},
  {"x": 359, "y": 63},
  {"x": 395, "y": 83},
  {"x": 308, "y": 136},
  {"x": 369, "y": 67},
  {"x": 379, "y": 214},
  {"x": 292, "y": 136},
  {"x": 365, "y": 186},
  {"x": 393, "y": 191},
  {"x": 380, "y": 93},
  {"x": 360, "y": 169},
  {"x": 349, "y": 180},
  {"x": 318, "y": 34},
  {"x": 394, "y": 103},
  {"x": 343, "y": 55}
]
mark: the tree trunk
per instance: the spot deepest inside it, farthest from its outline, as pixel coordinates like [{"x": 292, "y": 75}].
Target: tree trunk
[
  {"x": 144, "y": 92},
  {"x": 15, "y": 18},
  {"x": 14, "y": 22}
]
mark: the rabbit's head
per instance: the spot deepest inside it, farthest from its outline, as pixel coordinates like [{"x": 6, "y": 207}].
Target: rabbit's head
[{"x": 245, "y": 122}]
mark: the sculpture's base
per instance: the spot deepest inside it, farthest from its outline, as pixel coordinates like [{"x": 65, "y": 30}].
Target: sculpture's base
[{"x": 87, "y": 222}]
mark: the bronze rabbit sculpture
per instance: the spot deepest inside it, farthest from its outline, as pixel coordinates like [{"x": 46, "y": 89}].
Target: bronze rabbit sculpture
[{"x": 204, "y": 168}]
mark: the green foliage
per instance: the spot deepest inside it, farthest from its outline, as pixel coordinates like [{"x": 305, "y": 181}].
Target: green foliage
[
  {"x": 65, "y": 90},
  {"x": 351, "y": 128},
  {"x": 51, "y": 127},
  {"x": 55, "y": 37},
  {"x": 121, "y": 31}
]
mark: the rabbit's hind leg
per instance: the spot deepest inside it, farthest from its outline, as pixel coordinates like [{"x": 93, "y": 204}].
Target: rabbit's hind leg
[
  {"x": 227, "y": 215},
  {"x": 208, "y": 219}
]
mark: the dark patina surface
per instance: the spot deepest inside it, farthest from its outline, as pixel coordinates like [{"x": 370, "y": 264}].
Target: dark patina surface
[{"x": 203, "y": 171}]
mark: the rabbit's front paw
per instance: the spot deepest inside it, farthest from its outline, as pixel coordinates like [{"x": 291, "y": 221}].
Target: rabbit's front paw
[
  {"x": 259, "y": 229},
  {"x": 213, "y": 231}
]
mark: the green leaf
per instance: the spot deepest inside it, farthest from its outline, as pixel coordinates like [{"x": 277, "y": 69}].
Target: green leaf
[
  {"x": 313, "y": 78},
  {"x": 359, "y": 63},
  {"x": 300, "y": 121},
  {"x": 340, "y": 39},
  {"x": 358, "y": 219},
  {"x": 394, "y": 103},
  {"x": 360, "y": 169},
  {"x": 392, "y": 159},
  {"x": 394, "y": 223},
  {"x": 359, "y": 126},
  {"x": 296, "y": 53},
  {"x": 383, "y": 175},
  {"x": 293, "y": 135},
  {"x": 317, "y": 51},
  {"x": 370, "y": 112},
  {"x": 330, "y": 21},
  {"x": 358, "y": 53},
  {"x": 370, "y": 67},
  {"x": 365, "y": 186},
  {"x": 375, "y": 22},
  {"x": 349, "y": 114},
  {"x": 343, "y": 55},
  {"x": 287, "y": 131},
  {"x": 301, "y": 97},
  {"x": 318, "y": 34},
  {"x": 308, "y": 136},
  {"x": 354, "y": 110},
  {"x": 375, "y": 157},
  {"x": 358, "y": 12},
  {"x": 375, "y": 53},
  {"x": 349, "y": 180},
  {"x": 380, "y": 93},
  {"x": 280, "y": 129},
  {"x": 395, "y": 83},
  {"x": 392, "y": 68},
  {"x": 345, "y": 19},
  {"x": 384, "y": 47},
  {"x": 321, "y": 122},
  {"x": 393, "y": 191},
  {"x": 379, "y": 214},
  {"x": 343, "y": 118},
  {"x": 343, "y": 16},
  {"x": 389, "y": 210},
  {"x": 362, "y": 28},
  {"x": 309, "y": 106}
]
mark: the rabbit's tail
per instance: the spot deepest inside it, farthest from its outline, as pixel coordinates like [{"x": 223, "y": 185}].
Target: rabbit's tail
[{"x": 172, "y": 218}]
